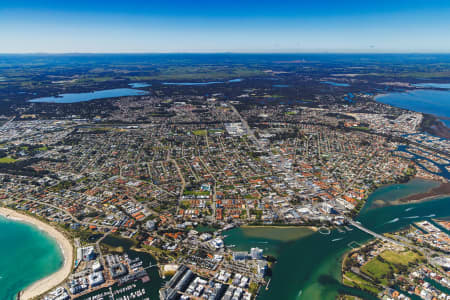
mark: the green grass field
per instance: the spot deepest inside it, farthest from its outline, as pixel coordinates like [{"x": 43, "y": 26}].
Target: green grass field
[
  {"x": 7, "y": 160},
  {"x": 402, "y": 258},
  {"x": 352, "y": 279},
  {"x": 382, "y": 270},
  {"x": 196, "y": 193},
  {"x": 200, "y": 132},
  {"x": 377, "y": 270}
]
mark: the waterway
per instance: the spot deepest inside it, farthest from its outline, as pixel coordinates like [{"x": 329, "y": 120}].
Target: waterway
[
  {"x": 433, "y": 85},
  {"x": 335, "y": 83},
  {"x": 309, "y": 266},
  {"x": 425, "y": 101},
  {"x": 26, "y": 255},
  {"x": 82, "y": 97},
  {"x": 136, "y": 85}
]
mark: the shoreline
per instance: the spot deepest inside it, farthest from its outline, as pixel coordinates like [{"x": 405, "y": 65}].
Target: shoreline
[
  {"x": 313, "y": 228},
  {"x": 443, "y": 190},
  {"x": 431, "y": 123},
  {"x": 47, "y": 283}
]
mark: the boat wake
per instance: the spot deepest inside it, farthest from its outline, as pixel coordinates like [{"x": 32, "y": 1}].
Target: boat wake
[
  {"x": 338, "y": 239},
  {"x": 392, "y": 221},
  {"x": 409, "y": 208}
]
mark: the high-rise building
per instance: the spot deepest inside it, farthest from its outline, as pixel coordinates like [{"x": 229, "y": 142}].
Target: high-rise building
[{"x": 256, "y": 253}]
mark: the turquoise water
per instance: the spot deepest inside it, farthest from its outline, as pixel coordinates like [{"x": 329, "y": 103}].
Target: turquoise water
[
  {"x": 386, "y": 194},
  {"x": 310, "y": 267},
  {"x": 82, "y": 97},
  {"x": 335, "y": 83},
  {"x": 26, "y": 255},
  {"x": 426, "y": 101}
]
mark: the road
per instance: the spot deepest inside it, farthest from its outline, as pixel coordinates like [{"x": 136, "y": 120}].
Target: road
[
  {"x": 427, "y": 252},
  {"x": 251, "y": 135},
  {"x": 69, "y": 214},
  {"x": 374, "y": 234}
]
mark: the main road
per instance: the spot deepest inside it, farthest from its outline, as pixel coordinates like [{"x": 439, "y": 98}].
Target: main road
[{"x": 427, "y": 252}]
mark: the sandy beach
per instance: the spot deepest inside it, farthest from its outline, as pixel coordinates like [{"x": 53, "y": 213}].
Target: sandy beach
[
  {"x": 313, "y": 228},
  {"x": 51, "y": 281}
]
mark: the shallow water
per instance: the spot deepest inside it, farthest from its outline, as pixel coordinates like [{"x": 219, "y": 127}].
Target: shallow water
[
  {"x": 309, "y": 267},
  {"x": 26, "y": 255}
]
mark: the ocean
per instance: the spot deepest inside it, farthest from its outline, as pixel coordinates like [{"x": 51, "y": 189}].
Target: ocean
[{"x": 26, "y": 255}]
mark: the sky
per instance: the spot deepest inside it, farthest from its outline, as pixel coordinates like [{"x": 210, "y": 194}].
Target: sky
[{"x": 144, "y": 26}]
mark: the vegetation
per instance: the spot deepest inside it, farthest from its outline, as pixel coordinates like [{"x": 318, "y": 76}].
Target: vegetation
[
  {"x": 7, "y": 160},
  {"x": 383, "y": 267},
  {"x": 351, "y": 279},
  {"x": 200, "y": 132},
  {"x": 196, "y": 193},
  {"x": 378, "y": 270}
]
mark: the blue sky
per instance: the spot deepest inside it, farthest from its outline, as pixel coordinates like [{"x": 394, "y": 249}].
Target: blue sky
[{"x": 28, "y": 26}]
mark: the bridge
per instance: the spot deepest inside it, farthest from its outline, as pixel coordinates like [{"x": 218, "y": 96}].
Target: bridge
[
  {"x": 429, "y": 253},
  {"x": 150, "y": 266},
  {"x": 374, "y": 234}
]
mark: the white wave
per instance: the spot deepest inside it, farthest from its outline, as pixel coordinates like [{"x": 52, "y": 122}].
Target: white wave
[
  {"x": 409, "y": 208},
  {"x": 412, "y": 217},
  {"x": 430, "y": 216}
]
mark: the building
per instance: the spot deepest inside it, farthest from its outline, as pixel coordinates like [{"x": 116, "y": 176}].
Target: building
[
  {"x": 117, "y": 270},
  {"x": 240, "y": 255},
  {"x": 97, "y": 266},
  {"x": 96, "y": 279},
  {"x": 262, "y": 267},
  {"x": 256, "y": 253},
  {"x": 150, "y": 225},
  {"x": 85, "y": 253}
]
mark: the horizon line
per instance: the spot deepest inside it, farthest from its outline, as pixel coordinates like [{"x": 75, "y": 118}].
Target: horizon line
[{"x": 224, "y": 52}]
